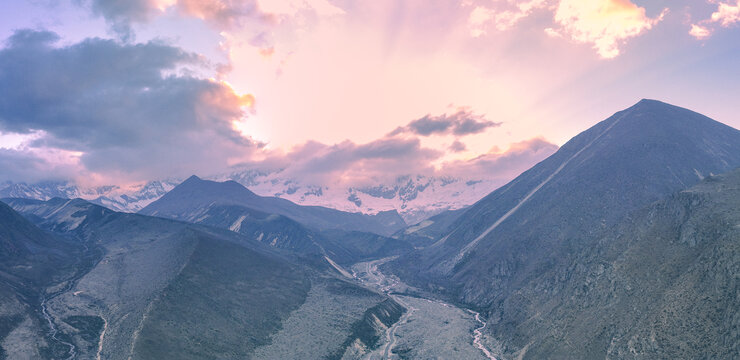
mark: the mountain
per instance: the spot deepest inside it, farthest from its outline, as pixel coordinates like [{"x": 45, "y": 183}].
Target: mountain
[
  {"x": 337, "y": 246},
  {"x": 414, "y": 197},
  {"x": 189, "y": 200},
  {"x": 171, "y": 290},
  {"x": 509, "y": 253},
  {"x": 111, "y": 196},
  {"x": 136, "y": 198}
]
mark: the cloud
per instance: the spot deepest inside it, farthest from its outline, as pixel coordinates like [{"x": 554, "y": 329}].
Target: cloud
[
  {"x": 349, "y": 162},
  {"x": 121, "y": 107},
  {"x": 457, "y": 146},
  {"x": 603, "y": 23},
  {"x": 478, "y": 19},
  {"x": 498, "y": 164},
  {"x": 293, "y": 7},
  {"x": 699, "y": 32},
  {"x": 461, "y": 123},
  {"x": 727, "y": 14},
  {"x": 120, "y": 15},
  {"x": 504, "y": 16},
  {"x": 221, "y": 14},
  {"x": 33, "y": 166},
  {"x": 385, "y": 159}
]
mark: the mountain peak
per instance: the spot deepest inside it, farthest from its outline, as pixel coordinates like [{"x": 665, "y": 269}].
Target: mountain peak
[
  {"x": 651, "y": 102},
  {"x": 649, "y": 120},
  {"x": 193, "y": 178}
]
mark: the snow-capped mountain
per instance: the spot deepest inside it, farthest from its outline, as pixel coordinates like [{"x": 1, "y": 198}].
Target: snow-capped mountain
[
  {"x": 113, "y": 197},
  {"x": 51, "y": 189},
  {"x": 414, "y": 197},
  {"x": 138, "y": 197}
]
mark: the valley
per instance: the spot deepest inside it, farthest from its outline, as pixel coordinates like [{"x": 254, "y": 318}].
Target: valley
[{"x": 429, "y": 328}]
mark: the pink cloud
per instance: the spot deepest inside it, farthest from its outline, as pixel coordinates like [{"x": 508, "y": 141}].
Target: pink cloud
[
  {"x": 605, "y": 24},
  {"x": 503, "y": 17},
  {"x": 506, "y": 164},
  {"x": 727, "y": 14},
  {"x": 699, "y": 31}
]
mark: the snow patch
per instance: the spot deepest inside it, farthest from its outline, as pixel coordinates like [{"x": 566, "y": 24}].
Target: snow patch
[
  {"x": 237, "y": 225},
  {"x": 701, "y": 177}
]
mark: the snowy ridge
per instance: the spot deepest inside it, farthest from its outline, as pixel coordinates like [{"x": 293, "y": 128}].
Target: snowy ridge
[{"x": 414, "y": 197}]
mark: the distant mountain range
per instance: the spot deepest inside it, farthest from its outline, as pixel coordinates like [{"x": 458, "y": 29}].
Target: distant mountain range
[
  {"x": 414, "y": 197},
  {"x": 112, "y": 197}
]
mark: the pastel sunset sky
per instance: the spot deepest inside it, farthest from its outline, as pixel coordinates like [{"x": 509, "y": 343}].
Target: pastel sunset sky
[{"x": 114, "y": 91}]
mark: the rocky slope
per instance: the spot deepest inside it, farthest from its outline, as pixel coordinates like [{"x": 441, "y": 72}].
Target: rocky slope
[{"x": 663, "y": 284}]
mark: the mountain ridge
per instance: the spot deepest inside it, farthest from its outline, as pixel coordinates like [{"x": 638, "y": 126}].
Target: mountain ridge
[{"x": 194, "y": 196}]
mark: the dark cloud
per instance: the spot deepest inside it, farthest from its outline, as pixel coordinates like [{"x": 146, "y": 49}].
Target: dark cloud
[
  {"x": 114, "y": 103},
  {"x": 461, "y": 123},
  {"x": 458, "y": 146},
  {"x": 121, "y": 15},
  {"x": 21, "y": 165}
]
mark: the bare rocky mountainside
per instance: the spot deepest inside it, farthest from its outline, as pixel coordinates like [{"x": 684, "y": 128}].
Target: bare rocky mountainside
[
  {"x": 102, "y": 284},
  {"x": 663, "y": 284},
  {"x": 515, "y": 254}
]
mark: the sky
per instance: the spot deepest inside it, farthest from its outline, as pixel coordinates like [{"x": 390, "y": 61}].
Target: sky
[{"x": 341, "y": 91}]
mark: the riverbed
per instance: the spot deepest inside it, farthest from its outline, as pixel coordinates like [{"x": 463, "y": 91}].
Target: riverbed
[{"x": 430, "y": 329}]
